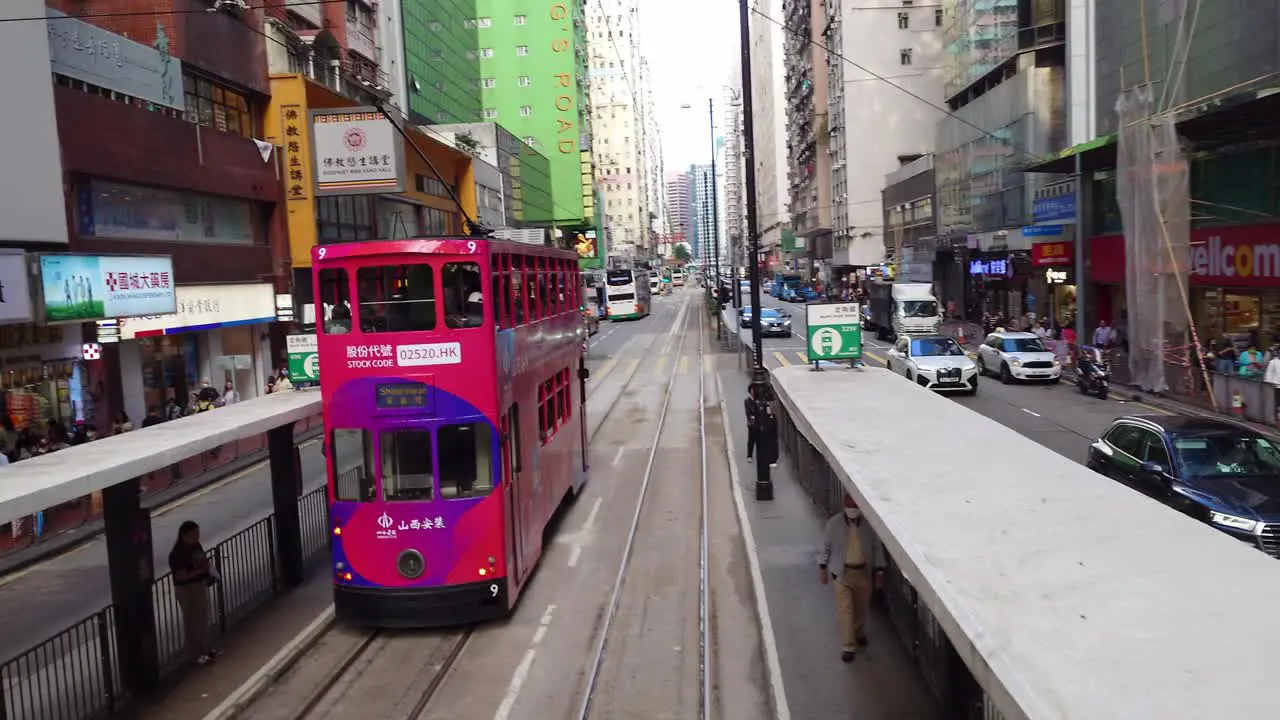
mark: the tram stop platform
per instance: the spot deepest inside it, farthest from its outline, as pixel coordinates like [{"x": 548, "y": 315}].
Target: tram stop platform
[{"x": 882, "y": 683}]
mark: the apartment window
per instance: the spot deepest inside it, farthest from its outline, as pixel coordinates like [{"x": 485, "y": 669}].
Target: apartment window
[
  {"x": 522, "y": 50},
  {"x": 524, "y": 81},
  {"x": 520, "y": 19},
  {"x": 904, "y": 20},
  {"x": 438, "y": 86},
  {"x": 214, "y": 105},
  {"x": 484, "y": 22},
  {"x": 490, "y": 113},
  {"x": 937, "y": 17},
  {"x": 435, "y": 25},
  {"x": 440, "y": 116},
  {"x": 904, "y": 56},
  {"x": 437, "y": 56},
  {"x": 525, "y": 111},
  {"x": 469, "y": 23},
  {"x": 490, "y": 83},
  {"x": 486, "y": 52},
  {"x": 531, "y": 141}
]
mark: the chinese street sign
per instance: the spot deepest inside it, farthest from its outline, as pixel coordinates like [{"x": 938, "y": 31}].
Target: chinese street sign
[
  {"x": 304, "y": 357},
  {"x": 356, "y": 151},
  {"x": 295, "y": 151},
  {"x": 834, "y": 331}
]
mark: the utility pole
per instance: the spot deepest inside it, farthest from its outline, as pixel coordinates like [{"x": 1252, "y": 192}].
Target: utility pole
[{"x": 761, "y": 390}]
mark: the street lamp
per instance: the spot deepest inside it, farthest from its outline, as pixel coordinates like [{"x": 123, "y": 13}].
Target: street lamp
[{"x": 761, "y": 392}]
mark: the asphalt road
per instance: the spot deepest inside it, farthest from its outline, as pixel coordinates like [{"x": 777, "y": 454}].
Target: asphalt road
[
  {"x": 40, "y": 601},
  {"x": 1056, "y": 416}
]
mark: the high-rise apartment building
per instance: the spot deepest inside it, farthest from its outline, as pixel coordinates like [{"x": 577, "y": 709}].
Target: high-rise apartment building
[
  {"x": 734, "y": 230},
  {"x": 874, "y": 127},
  {"x": 678, "y": 189},
  {"x": 808, "y": 130},
  {"x": 618, "y": 121},
  {"x": 703, "y": 213},
  {"x": 655, "y": 168},
  {"x": 769, "y": 108},
  {"x": 533, "y": 82},
  {"x": 441, "y": 66}
]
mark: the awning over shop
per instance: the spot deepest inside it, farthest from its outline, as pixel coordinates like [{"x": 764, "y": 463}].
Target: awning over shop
[{"x": 1095, "y": 155}]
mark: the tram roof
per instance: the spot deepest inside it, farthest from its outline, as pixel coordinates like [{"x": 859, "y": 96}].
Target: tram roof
[
  {"x": 444, "y": 245},
  {"x": 41, "y": 482}
]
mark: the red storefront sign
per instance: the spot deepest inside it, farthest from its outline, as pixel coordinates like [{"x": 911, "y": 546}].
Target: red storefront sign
[
  {"x": 1052, "y": 253},
  {"x": 1240, "y": 256}
]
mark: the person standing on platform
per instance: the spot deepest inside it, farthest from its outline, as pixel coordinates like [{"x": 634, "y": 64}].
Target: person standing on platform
[
  {"x": 844, "y": 563},
  {"x": 753, "y": 422},
  {"x": 192, "y": 578}
]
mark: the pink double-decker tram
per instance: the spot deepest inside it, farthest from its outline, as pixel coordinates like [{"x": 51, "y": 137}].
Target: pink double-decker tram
[{"x": 453, "y": 391}]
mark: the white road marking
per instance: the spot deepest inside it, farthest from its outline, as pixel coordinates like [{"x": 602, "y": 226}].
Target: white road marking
[
  {"x": 575, "y": 553},
  {"x": 522, "y": 671},
  {"x": 580, "y": 537},
  {"x": 617, "y": 458},
  {"x": 591, "y": 516},
  {"x": 1030, "y": 413},
  {"x": 772, "y": 664}
]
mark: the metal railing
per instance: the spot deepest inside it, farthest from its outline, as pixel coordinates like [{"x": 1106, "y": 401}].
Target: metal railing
[
  {"x": 932, "y": 653},
  {"x": 74, "y": 675}
]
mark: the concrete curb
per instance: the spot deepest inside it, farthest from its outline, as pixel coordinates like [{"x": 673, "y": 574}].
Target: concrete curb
[
  {"x": 275, "y": 668},
  {"x": 69, "y": 540}
]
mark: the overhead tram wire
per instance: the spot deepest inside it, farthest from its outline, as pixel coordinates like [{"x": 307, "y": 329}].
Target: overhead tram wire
[{"x": 147, "y": 13}]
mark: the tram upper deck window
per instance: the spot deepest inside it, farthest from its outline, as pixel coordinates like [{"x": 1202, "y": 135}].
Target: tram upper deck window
[
  {"x": 335, "y": 298},
  {"x": 463, "y": 295},
  {"x": 466, "y": 460},
  {"x": 396, "y": 298},
  {"x": 406, "y": 466},
  {"x": 352, "y": 464}
]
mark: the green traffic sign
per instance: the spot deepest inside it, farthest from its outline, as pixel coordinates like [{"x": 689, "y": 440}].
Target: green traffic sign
[
  {"x": 304, "y": 357},
  {"x": 834, "y": 331}
]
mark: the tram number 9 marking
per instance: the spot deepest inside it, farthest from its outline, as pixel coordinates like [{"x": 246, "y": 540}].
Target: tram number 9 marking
[
  {"x": 321, "y": 252},
  {"x": 493, "y": 590},
  {"x": 471, "y": 246}
]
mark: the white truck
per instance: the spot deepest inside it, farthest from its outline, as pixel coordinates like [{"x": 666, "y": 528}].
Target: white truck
[{"x": 903, "y": 309}]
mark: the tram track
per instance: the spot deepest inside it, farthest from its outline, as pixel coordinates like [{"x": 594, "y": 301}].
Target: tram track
[{"x": 591, "y": 696}]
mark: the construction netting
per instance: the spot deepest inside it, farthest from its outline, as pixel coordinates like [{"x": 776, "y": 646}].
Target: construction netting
[{"x": 1152, "y": 189}]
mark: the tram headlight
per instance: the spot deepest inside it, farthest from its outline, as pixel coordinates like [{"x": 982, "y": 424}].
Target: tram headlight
[
  {"x": 410, "y": 564},
  {"x": 337, "y": 531}
]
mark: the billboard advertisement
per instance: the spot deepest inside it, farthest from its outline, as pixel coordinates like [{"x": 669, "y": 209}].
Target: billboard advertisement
[
  {"x": 79, "y": 288},
  {"x": 357, "y": 151}
]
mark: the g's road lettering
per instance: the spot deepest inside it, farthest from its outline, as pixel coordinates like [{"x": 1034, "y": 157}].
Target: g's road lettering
[{"x": 428, "y": 354}]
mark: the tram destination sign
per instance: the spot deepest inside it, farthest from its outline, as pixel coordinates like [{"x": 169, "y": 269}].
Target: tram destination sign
[{"x": 404, "y": 396}]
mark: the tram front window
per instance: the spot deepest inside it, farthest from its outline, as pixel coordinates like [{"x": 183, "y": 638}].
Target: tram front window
[
  {"x": 466, "y": 461},
  {"x": 396, "y": 298},
  {"x": 406, "y": 466},
  {"x": 463, "y": 295},
  {"x": 352, "y": 465}
]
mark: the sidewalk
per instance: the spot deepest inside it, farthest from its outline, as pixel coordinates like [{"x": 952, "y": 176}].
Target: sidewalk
[
  {"x": 70, "y": 525},
  {"x": 882, "y": 683}
]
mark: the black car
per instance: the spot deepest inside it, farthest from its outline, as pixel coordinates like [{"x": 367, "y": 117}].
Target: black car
[
  {"x": 773, "y": 322},
  {"x": 1216, "y": 471}
]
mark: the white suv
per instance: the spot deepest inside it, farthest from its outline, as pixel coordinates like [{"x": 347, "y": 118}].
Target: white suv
[{"x": 1018, "y": 356}]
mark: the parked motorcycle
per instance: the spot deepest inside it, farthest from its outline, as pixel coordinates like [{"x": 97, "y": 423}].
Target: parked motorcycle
[{"x": 1093, "y": 375}]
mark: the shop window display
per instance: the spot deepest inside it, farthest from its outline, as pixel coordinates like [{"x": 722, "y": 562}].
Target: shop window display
[
  {"x": 169, "y": 368},
  {"x": 35, "y": 394},
  {"x": 236, "y": 363}
]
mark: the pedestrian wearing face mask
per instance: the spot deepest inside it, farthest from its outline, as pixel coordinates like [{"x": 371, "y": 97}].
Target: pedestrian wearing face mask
[{"x": 847, "y": 559}]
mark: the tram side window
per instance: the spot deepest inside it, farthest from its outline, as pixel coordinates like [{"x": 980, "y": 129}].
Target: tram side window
[
  {"x": 396, "y": 298},
  {"x": 352, "y": 465},
  {"x": 466, "y": 460},
  {"x": 518, "y": 288},
  {"x": 566, "y": 404},
  {"x": 531, "y": 288},
  {"x": 553, "y": 405},
  {"x": 407, "y": 474},
  {"x": 463, "y": 295},
  {"x": 335, "y": 298}
]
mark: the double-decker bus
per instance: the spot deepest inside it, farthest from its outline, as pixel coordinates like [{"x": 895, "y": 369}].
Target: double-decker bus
[
  {"x": 627, "y": 294},
  {"x": 454, "y": 407}
]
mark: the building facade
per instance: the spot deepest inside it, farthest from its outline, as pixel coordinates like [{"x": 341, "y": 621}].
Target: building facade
[
  {"x": 525, "y": 185},
  {"x": 441, "y": 59},
  {"x": 680, "y": 222},
  {"x": 618, "y": 126},
  {"x": 655, "y": 167},
  {"x": 533, "y": 81},
  {"x": 769, "y": 108},
  {"x": 734, "y": 179},
  {"x": 911, "y": 229},
  {"x": 808, "y": 132},
  {"x": 702, "y": 213},
  {"x": 902, "y": 43}
]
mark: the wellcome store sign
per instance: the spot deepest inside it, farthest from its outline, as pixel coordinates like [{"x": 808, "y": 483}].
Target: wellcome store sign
[{"x": 1239, "y": 256}]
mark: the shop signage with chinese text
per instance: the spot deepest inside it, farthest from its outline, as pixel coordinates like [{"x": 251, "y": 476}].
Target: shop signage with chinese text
[
  {"x": 116, "y": 210},
  {"x": 998, "y": 267},
  {"x": 97, "y": 287},
  {"x": 1056, "y": 277},
  {"x": 88, "y": 53},
  {"x": 295, "y": 151},
  {"x": 1052, "y": 253},
  {"x": 356, "y": 152},
  {"x": 205, "y": 307},
  {"x": 1055, "y": 203},
  {"x": 15, "y": 288}
]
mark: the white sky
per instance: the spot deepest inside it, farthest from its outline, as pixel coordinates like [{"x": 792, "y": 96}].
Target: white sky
[{"x": 692, "y": 48}]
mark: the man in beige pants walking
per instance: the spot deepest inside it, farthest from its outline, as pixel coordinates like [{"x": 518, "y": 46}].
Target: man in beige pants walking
[{"x": 845, "y": 558}]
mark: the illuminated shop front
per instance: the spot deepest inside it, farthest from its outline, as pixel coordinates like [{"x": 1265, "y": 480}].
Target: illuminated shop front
[{"x": 1052, "y": 287}]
